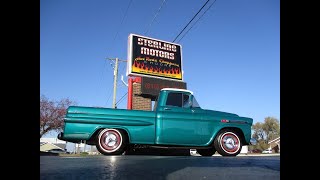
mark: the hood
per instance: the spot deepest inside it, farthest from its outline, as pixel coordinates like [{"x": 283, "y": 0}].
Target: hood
[
  {"x": 220, "y": 113},
  {"x": 234, "y": 118}
]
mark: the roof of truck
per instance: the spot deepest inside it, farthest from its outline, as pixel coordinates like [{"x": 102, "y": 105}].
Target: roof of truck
[{"x": 176, "y": 89}]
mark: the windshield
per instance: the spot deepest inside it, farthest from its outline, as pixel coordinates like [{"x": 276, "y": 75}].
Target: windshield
[{"x": 195, "y": 103}]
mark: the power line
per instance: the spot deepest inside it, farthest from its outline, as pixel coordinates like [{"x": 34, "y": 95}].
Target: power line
[
  {"x": 122, "y": 21},
  {"x": 110, "y": 91},
  {"x": 155, "y": 17},
  {"x": 191, "y": 20},
  {"x": 124, "y": 16},
  {"x": 101, "y": 79},
  {"x": 114, "y": 38},
  {"x": 197, "y": 21},
  {"x": 122, "y": 98}
]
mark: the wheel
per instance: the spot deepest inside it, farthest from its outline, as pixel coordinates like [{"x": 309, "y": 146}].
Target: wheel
[
  {"x": 228, "y": 143},
  {"x": 111, "y": 142},
  {"x": 206, "y": 152}
]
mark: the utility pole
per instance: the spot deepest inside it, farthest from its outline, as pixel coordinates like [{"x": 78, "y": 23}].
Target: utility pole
[
  {"x": 115, "y": 74},
  {"x": 115, "y": 80}
]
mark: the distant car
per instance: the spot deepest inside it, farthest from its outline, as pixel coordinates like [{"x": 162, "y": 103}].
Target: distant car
[
  {"x": 267, "y": 151},
  {"x": 59, "y": 151},
  {"x": 193, "y": 151}
]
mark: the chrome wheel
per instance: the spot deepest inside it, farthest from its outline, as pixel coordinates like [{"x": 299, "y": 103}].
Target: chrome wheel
[
  {"x": 109, "y": 141},
  {"x": 228, "y": 143}
]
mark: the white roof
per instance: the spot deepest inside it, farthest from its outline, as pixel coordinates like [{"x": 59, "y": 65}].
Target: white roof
[{"x": 176, "y": 89}]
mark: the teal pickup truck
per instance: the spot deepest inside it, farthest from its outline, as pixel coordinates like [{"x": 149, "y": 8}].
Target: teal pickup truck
[{"x": 177, "y": 121}]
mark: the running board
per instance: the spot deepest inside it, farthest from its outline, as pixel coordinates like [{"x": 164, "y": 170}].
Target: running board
[{"x": 179, "y": 147}]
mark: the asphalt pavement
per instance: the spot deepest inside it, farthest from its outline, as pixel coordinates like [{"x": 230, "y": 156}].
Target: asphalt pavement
[{"x": 242, "y": 167}]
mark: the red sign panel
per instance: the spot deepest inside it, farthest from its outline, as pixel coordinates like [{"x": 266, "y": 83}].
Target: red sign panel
[{"x": 152, "y": 86}]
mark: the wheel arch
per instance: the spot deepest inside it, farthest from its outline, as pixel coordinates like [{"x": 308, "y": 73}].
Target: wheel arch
[
  {"x": 93, "y": 136},
  {"x": 234, "y": 129}
]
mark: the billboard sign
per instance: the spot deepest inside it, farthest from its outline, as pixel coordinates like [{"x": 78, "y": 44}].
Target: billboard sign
[{"x": 154, "y": 58}]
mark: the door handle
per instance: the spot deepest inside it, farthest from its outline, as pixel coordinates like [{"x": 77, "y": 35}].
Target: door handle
[{"x": 167, "y": 108}]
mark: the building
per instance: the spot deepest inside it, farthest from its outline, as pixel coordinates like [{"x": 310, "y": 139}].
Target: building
[
  {"x": 47, "y": 144},
  {"x": 275, "y": 145}
]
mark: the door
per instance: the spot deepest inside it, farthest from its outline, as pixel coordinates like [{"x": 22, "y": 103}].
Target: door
[{"x": 181, "y": 123}]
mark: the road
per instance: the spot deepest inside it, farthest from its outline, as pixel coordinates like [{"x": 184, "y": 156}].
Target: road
[{"x": 160, "y": 167}]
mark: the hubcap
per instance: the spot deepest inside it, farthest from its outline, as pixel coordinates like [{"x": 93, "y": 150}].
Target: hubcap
[
  {"x": 110, "y": 140},
  {"x": 230, "y": 142}
]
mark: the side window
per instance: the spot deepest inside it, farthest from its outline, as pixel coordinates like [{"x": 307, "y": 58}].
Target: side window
[
  {"x": 186, "y": 99},
  {"x": 174, "y": 99}
]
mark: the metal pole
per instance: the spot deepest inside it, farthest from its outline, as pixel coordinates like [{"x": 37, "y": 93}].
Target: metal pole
[
  {"x": 115, "y": 84},
  {"x": 129, "y": 103}
]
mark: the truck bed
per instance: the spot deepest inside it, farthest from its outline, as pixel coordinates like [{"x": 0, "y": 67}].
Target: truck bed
[{"x": 81, "y": 123}]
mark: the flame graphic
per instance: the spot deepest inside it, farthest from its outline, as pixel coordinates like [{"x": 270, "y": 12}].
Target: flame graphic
[{"x": 140, "y": 67}]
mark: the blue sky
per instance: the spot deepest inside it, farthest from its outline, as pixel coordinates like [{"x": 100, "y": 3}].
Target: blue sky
[{"x": 231, "y": 56}]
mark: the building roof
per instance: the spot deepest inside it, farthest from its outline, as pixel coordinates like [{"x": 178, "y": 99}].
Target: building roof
[
  {"x": 52, "y": 143},
  {"x": 274, "y": 143},
  {"x": 48, "y": 146},
  {"x": 276, "y": 140}
]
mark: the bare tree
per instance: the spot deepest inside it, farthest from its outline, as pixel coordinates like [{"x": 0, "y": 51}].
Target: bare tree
[{"x": 52, "y": 114}]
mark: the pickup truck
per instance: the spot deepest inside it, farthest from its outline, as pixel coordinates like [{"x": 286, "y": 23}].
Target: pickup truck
[{"x": 177, "y": 121}]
